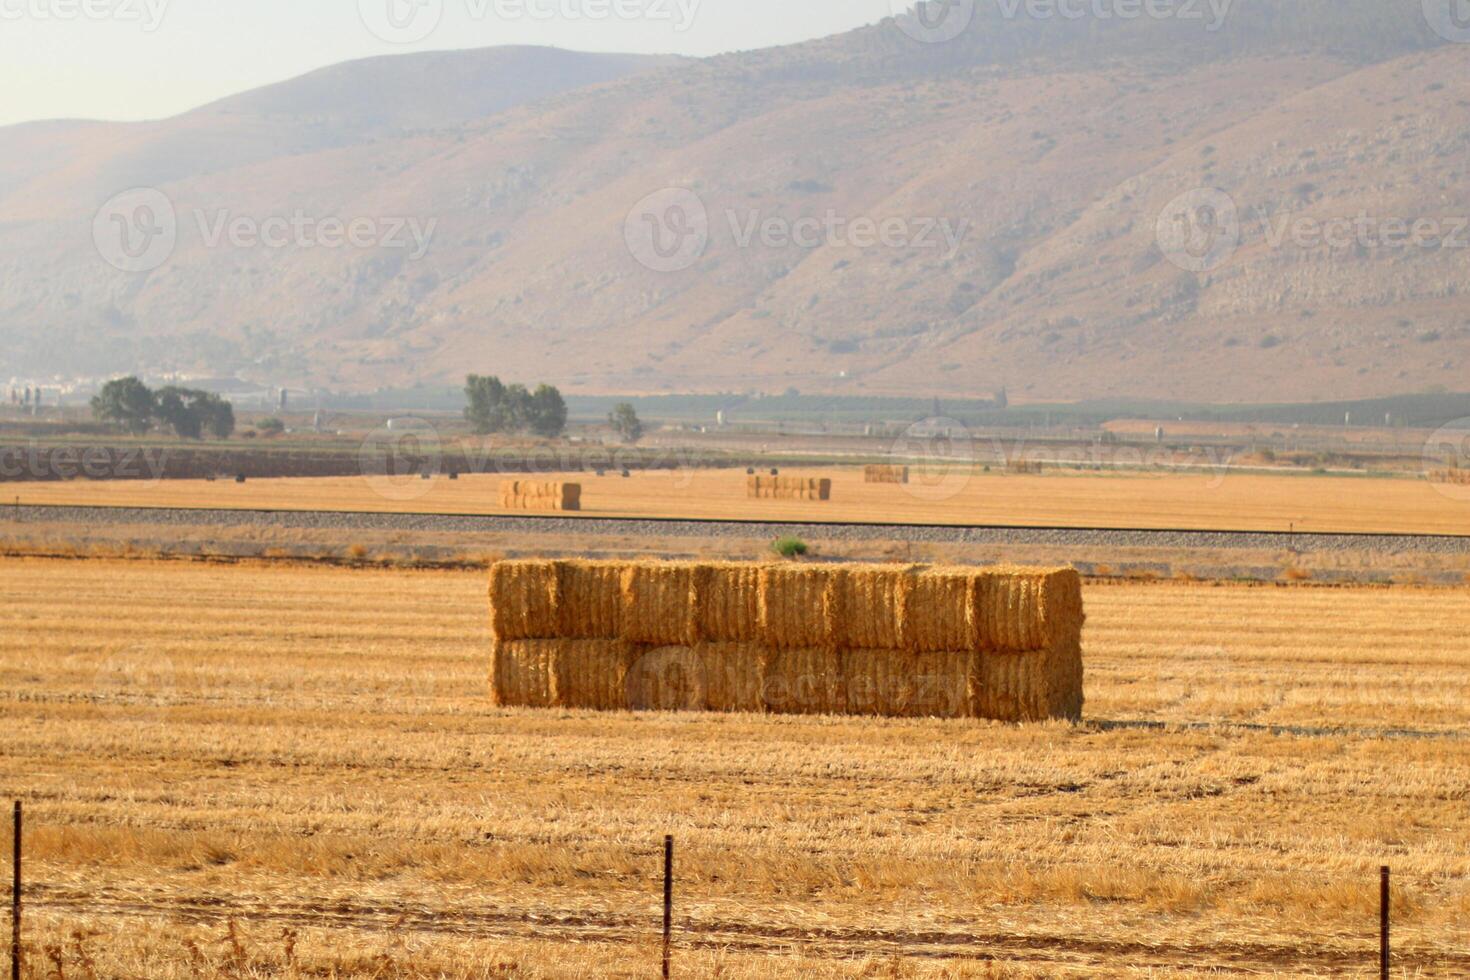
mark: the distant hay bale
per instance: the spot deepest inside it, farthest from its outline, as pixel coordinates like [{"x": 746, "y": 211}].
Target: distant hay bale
[
  {"x": 1454, "y": 476},
  {"x": 901, "y": 641},
  {"x": 787, "y": 488},
  {"x": 885, "y": 474},
  {"x": 540, "y": 495}
]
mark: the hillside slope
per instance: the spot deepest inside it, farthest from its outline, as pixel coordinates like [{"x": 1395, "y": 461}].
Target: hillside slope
[{"x": 1046, "y": 150}]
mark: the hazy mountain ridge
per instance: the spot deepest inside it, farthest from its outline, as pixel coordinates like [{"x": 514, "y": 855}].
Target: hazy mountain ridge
[{"x": 1056, "y": 161}]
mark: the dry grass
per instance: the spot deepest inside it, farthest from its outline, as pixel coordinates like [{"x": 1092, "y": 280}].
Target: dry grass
[
  {"x": 311, "y": 749},
  {"x": 1187, "y": 501}
]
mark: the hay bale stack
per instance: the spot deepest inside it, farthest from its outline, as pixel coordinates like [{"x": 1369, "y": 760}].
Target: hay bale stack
[
  {"x": 885, "y": 474},
  {"x": 540, "y": 495},
  {"x": 787, "y": 488},
  {"x": 902, "y": 641}
]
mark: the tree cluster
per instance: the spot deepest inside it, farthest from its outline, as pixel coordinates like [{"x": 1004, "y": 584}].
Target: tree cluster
[
  {"x": 494, "y": 407},
  {"x": 189, "y": 412}
]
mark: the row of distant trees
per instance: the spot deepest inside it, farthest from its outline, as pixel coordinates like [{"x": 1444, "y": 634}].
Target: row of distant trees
[
  {"x": 189, "y": 412},
  {"x": 491, "y": 407},
  {"x": 494, "y": 407}
]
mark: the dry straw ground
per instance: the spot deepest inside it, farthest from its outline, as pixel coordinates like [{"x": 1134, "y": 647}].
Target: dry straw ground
[
  {"x": 306, "y": 757},
  {"x": 1176, "y": 501}
]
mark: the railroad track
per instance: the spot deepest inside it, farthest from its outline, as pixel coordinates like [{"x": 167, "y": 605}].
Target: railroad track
[{"x": 993, "y": 534}]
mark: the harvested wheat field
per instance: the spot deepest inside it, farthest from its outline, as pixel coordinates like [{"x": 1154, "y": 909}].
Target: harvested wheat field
[
  {"x": 286, "y": 771},
  {"x": 1184, "y": 501}
]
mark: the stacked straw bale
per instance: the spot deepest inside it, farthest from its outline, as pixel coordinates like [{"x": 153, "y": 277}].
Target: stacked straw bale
[
  {"x": 885, "y": 474},
  {"x": 899, "y": 641},
  {"x": 540, "y": 495},
  {"x": 787, "y": 488}
]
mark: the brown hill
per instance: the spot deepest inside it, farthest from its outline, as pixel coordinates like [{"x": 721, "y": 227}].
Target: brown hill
[{"x": 1053, "y": 145}]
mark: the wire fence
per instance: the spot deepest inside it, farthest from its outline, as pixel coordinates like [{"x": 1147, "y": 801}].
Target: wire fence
[{"x": 693, "y": 933}]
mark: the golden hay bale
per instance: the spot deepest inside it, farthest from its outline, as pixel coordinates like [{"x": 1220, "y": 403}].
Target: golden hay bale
[
  {"x": 885, "y": 474},
  {"x": 523, "y": 600},
  {"x": 590, "y": 599},
  {"x": 898, "y": 684},
  {"x": 867, "y": 603},
  {"x": 522, "y": 675},
  {"x": 703, "y": 677},
  {"x": 727, "y": 602},
  {"x": 796, "y": 606},
  {"x": 935, "y": 611},
  {"x": 787, "y": 488},
  {"x": 1017, "y": 609},
  {"x": 540, "y": 495},
  {"x": 560, "y": 673},
  {"x": 889, "y": 640},
  {"x": 591, "y": 674},
  {"x": 659, "y": 603},
  {"x": 803, "y": 682}
]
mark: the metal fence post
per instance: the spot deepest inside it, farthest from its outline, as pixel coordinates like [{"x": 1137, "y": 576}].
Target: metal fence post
[
  {"x": 15, "y": 901},
  {"x": 1383, "y": 903},
  {"x": 668, "y": 900}
]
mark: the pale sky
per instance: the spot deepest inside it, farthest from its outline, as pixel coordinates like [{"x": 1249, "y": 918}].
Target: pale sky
[{"x": 143, "y": 59}]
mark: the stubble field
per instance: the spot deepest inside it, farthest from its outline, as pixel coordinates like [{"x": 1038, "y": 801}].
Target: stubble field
[
  {"x": 1204, "y": 500},
  {"x": 269, "y": 770}
]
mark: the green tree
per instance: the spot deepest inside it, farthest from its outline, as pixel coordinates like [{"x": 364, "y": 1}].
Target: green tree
[
  {"x": 624, "y": 421},
  {"x": 128, "y": 402},
  {"x": 548, "y": 412},
  {"x": 486, "y": 409},
  {"x": 190, "y": 413}
]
